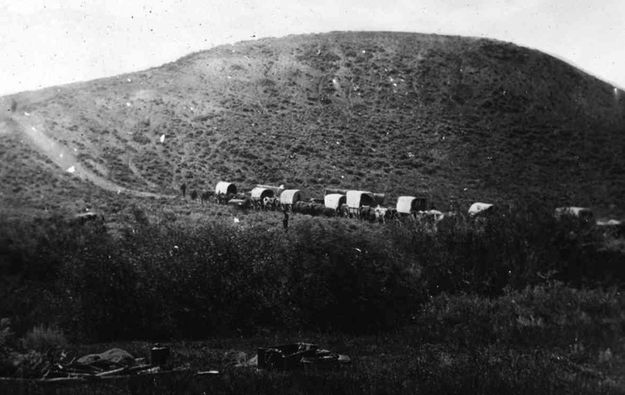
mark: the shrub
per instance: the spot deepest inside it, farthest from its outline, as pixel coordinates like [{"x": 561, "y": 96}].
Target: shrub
[
  {"x": 5, "y": 338},
  {"x": 15, "y": 363},
  {"x": 551, "y": 315},
  {"x": 44, "y": 338},
  {"x": 349, "y": 279},
  {"x": 512, "y": 248},
  {"x": 216, "y": 278},
  {"x": 162, "y": 279}
]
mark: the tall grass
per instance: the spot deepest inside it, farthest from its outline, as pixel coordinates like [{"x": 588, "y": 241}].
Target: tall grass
[
  {"x": 44, "y": 338},
  {"x": 180, "y": 280}
]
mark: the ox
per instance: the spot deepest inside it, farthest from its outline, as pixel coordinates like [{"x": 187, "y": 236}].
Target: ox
[{"x": 383, "y": 214}]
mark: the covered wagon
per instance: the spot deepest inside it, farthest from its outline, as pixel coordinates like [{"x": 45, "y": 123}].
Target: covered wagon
[
  {"x": 612, "y": 228},
  {"x": 480, "y": 208},
  {"x": 334, "y": 201},
  {"x": 265, "y": 196},
  {"x": 584, "y": 214},
  {"x": 289, "y": 197},
  {"x": 357, "y": 199},
  {"x": 224, "y": 191},
  {"x": 410, "y": 204},
  {"x": 224, "y": 188},
  {"x": 259, "y": 193}
]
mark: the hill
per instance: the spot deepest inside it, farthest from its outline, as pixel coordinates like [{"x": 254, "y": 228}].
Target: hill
[{"x": 463, "y": 118}]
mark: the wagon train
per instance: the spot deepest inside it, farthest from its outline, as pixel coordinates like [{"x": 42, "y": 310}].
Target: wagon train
[
  {"x": 335, "y": 202},
  {"x": 367, "y": 205}
]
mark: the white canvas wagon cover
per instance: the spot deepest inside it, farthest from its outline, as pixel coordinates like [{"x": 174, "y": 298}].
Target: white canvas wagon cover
[
  {"x": 224, "y": 187},
  {"x": 479, "y": 207},
  {"x": 333, "y": 200},
  {"x": 259, "y": 193},
  {"x": 404, "y": 204},
  {"x": 355, "y": 199},
  {"x": 610, "y": 222},
  {"x": 290, "y": 196}
]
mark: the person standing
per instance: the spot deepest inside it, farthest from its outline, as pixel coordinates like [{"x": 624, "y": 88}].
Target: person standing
[{"x": 285, "y": 221}]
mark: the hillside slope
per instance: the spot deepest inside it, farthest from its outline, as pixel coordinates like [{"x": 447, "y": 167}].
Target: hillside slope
[{"x": 464, "y": 118}]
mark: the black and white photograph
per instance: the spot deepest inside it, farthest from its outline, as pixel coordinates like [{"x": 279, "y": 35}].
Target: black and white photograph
[{"x": 312, "y": 197}]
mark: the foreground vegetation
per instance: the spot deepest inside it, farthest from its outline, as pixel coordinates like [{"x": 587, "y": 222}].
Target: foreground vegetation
[{"x": 519, "y": 303}]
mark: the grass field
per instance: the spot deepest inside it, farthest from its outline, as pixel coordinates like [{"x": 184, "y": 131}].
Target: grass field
[{"x": 524, "y": 305}]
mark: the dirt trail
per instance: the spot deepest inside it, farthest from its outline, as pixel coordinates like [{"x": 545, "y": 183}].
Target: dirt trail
[{"x": 65, "y": 158}]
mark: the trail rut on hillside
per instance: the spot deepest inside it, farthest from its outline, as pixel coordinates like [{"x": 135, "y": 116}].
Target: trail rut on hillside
[{"x": 65, "y": 158}]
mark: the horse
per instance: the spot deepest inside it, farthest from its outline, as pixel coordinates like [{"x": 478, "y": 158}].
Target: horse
[{"x": 206, "y": 196}]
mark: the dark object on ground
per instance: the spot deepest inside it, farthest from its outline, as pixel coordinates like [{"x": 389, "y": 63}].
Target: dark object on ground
[
  {"x": 147, "y": 381},
  {"x": 115, "y": 357},
  {"x": 159, "y": 355},
  {"x": 113, "y": 362},
  {"x": 239, "y": 204},
  {"x": 299, "y": 356},
  {"x": 83, "y": 218}
]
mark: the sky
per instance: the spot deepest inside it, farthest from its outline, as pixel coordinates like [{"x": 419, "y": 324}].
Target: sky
[{"x": 52, "y": 42}]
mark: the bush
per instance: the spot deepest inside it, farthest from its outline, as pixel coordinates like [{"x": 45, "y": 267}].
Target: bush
[
  {"x": 163, "y": 279},
  {"x": 215, "y": 279},
  {"x": 551, "y": 315},
  {"x": 516, "y": 248},
  {"x": 6, "y": 336},
  {"x": 42, "y": 338},
  {"x": 13, "y": 362},
  {"x": 35, "y": 254},
  {"x": 349, "y": 278}
]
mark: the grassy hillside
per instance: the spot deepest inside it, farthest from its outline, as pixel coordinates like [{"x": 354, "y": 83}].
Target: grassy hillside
[{"x": 464, "y": 118}]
